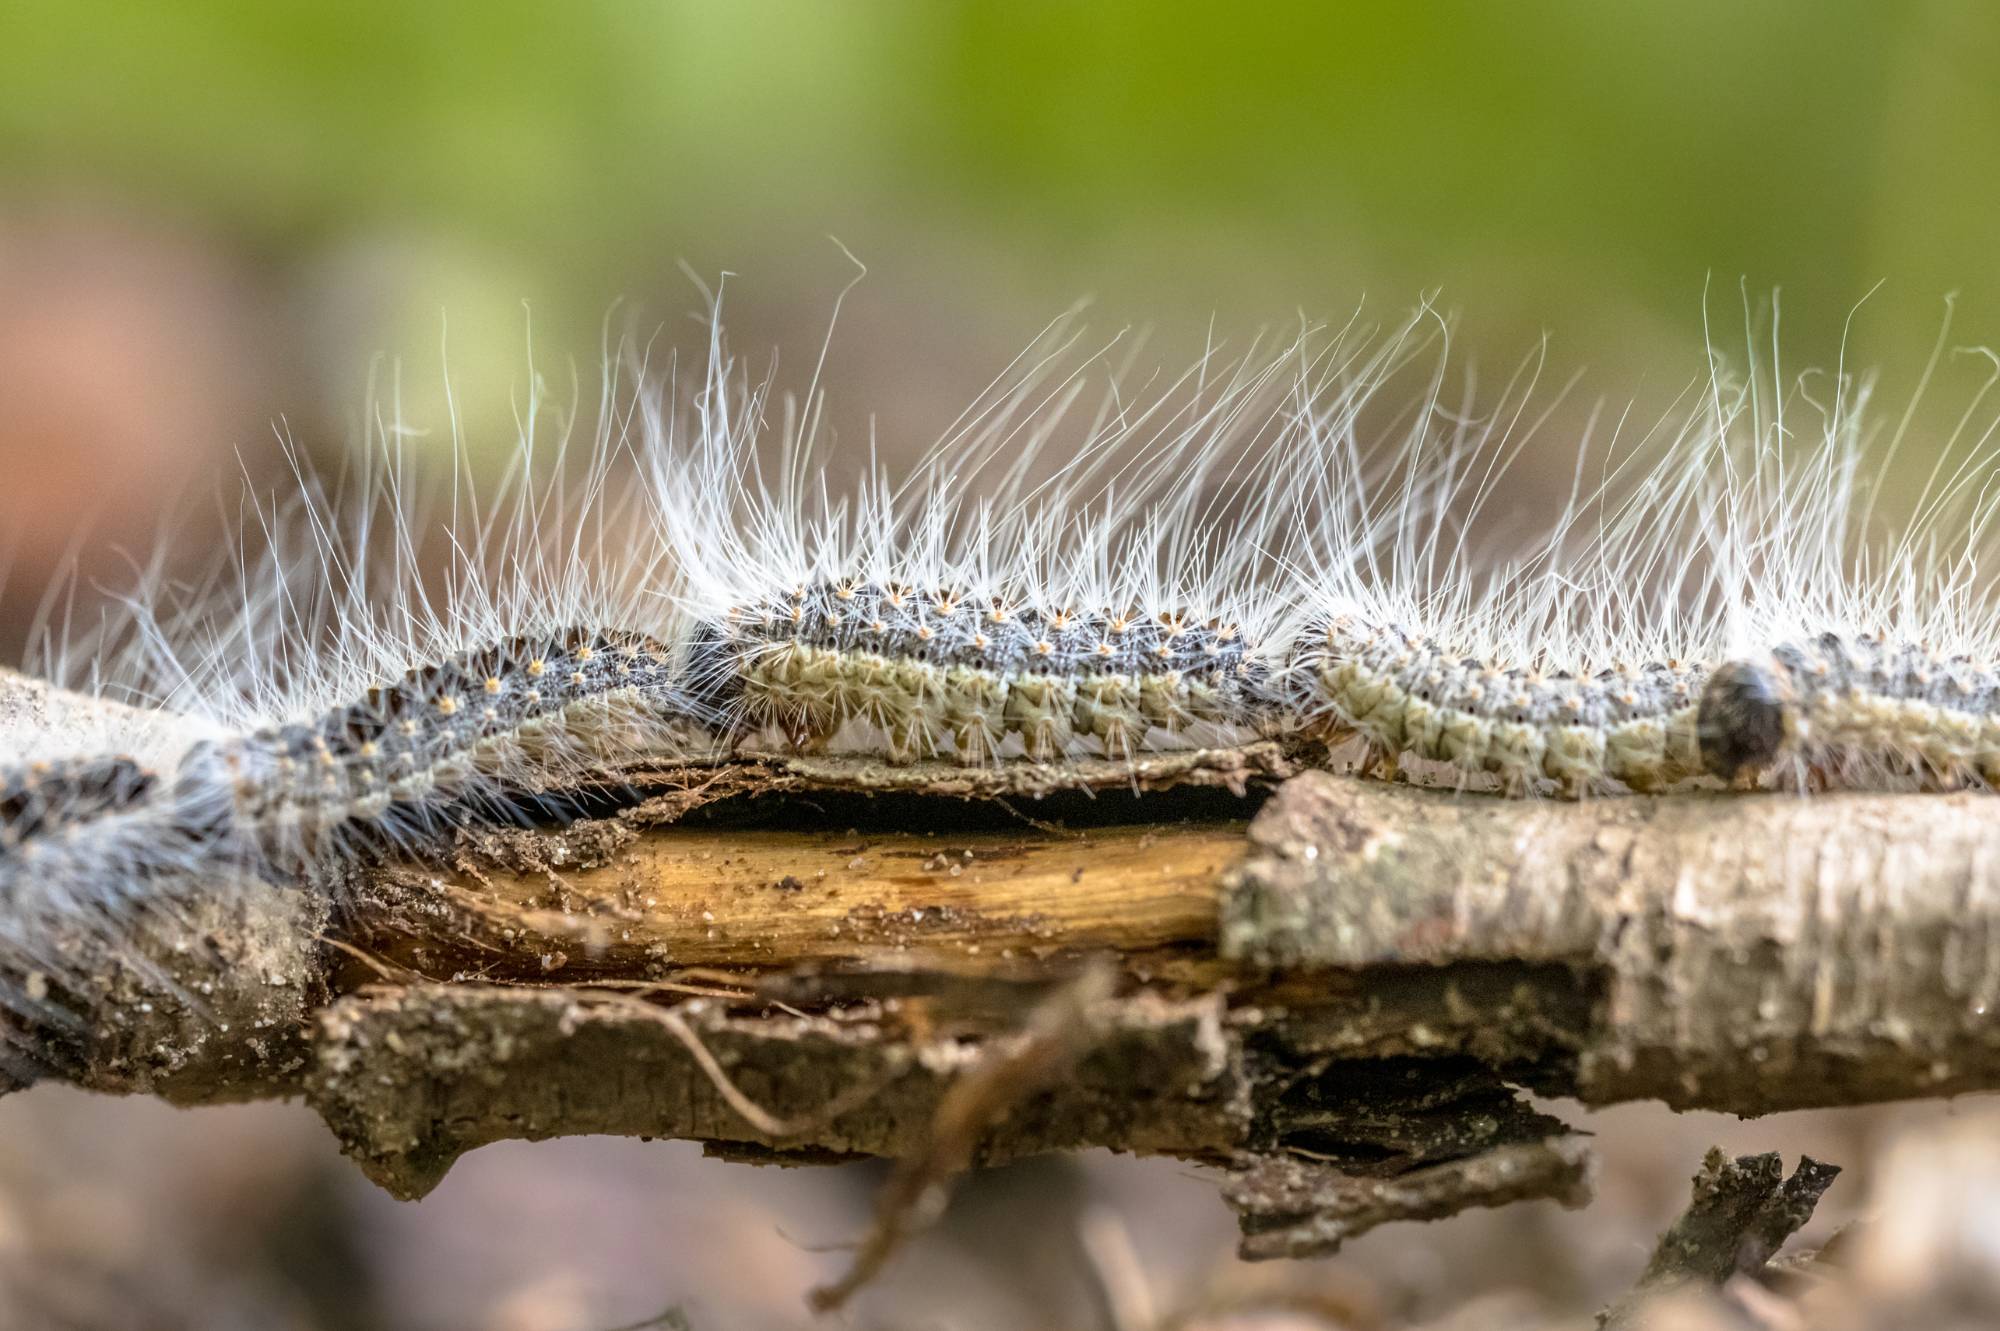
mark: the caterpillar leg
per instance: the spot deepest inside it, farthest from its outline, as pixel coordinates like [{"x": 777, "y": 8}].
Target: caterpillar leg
[
  {"x": 911, "y": 741},
  {"x": 805, "y": 734},
  {"x": 976, "y": 745},
  {"x": 1120, "y": 743},
  {"x": 1044, "y": 743},
  {"x": 1041, "y": 709},
  {"x": 1382, "y": 763}
]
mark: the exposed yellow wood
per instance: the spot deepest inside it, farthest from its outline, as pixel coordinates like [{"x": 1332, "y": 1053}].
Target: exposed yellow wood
[{"x": 978, "y": 900}]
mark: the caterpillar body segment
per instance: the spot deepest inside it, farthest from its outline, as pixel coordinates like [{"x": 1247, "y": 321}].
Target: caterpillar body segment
[
  {"x": 942, "y": 670},
  {"x": 1630, "y": 726},
  {"x": 65, "y": 824},
  {"x": 499, "y": 721},
  {"x": 57, "y": 796}
]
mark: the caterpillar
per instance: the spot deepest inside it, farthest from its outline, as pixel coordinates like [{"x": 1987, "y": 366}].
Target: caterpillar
[
  {"x": 1297, "y": 541},
  {"x": 919, "y": 665}
]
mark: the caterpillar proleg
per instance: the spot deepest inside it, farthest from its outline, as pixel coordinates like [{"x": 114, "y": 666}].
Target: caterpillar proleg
[{"x": 1302, "y": 540}]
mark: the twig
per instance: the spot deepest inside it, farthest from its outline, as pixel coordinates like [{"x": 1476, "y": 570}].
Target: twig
[
  {"x": 1741, "y": 1212},
  {"x": 1055, "y": 1035}
]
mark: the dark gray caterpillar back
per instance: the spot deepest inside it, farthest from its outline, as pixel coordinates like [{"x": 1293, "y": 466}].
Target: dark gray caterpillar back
[
  {"x": 923, "y": 664},
  {"x": 1857, "y": 711},
  {"x": 499, "y": 720},
  {"x": 47, "y": 798},
  {"x": 502, "y": 719}
]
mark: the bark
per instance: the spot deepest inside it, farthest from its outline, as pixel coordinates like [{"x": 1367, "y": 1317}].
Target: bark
[
  {"x": 1333, "y": 990},
  {"x": 1748, "y": 953}
]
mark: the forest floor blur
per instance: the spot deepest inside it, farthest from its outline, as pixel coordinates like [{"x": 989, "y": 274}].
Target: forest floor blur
[{"x": 128, "y": 1213}]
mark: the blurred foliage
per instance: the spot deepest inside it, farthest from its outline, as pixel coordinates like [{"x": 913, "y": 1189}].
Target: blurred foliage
[{"x": 1580, "y": 167}]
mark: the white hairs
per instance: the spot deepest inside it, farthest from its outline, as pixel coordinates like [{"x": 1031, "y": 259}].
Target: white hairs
[{"x": 1305, "y": 538}]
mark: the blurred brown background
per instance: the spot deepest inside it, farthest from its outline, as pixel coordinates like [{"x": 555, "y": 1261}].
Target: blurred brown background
[{"x": 216, "y": 218}]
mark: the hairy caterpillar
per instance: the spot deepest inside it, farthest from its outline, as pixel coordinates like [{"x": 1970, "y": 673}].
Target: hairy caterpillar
[
  {"x": 349, "y": 696},
  {"x": 1570, "y": 661},
  {"x": 1860, "y": 652},
  {"x": 1298, "y": 541}
]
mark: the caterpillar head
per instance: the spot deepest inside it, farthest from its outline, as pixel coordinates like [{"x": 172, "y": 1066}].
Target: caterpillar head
[{"x": 1744, "y": 719}]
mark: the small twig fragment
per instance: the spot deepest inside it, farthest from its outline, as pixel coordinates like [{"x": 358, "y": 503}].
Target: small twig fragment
[
  {"x": 1296, "y": 1208},
  {"x": 1057, "y": 1033},
  {"x": 1741, "y": 1213}
]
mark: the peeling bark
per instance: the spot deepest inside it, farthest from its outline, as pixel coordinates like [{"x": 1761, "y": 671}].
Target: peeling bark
[{"x": 1296, "y": 1208}]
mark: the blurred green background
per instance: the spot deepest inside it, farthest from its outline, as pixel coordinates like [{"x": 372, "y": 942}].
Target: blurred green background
[
  {"x": 1544, "y": 161},
  {"x": 350, "y": 173},
  {"x": 217, "y": 219}
]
